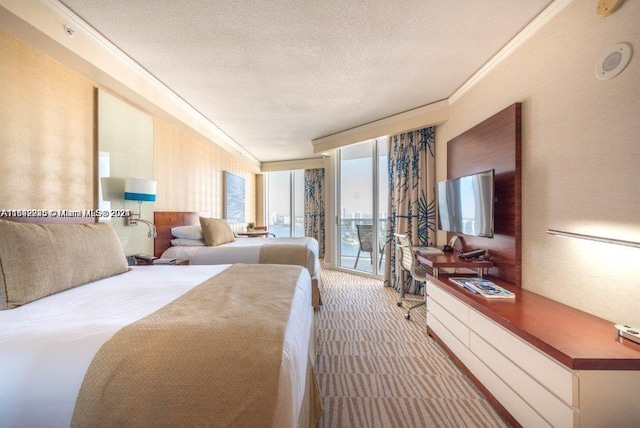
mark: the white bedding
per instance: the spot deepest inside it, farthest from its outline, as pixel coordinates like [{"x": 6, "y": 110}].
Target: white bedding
[
  {"x": 242, "y": 250},
  {"x": 46, "y": 346}
]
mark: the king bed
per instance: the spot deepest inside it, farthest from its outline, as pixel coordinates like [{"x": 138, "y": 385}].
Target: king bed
[
  {"x": 86, "y": 340},
  {"x": 180, "y": 236}
]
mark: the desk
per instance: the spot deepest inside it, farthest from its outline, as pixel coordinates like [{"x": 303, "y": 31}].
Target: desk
[
  {"x": 450, "y": 260},
  {"x": 254, "y": 234}
]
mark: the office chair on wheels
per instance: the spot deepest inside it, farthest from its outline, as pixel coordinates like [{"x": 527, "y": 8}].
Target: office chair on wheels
[{"x": 414, "y": 272}]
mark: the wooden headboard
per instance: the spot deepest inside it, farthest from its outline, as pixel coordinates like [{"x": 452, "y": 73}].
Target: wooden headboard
[
  {"x": 495, "y": 144},
  {"x": 165, "y": 220}
]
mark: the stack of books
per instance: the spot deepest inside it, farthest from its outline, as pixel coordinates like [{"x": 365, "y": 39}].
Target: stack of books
[{"x": 483, "y": 287}]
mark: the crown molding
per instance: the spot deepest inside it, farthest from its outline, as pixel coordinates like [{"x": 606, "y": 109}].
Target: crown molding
[
  {"x": 429, "y": 115},
  {"x": 288, "y": 165},
  {"x": 523, "y": 36}
]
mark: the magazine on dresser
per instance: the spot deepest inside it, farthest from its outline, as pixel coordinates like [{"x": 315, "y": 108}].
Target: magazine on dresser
[{"x": 483, "y": 287}]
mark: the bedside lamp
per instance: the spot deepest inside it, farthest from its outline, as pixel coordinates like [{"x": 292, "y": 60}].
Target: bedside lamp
[{"x": 141, "y": 190}]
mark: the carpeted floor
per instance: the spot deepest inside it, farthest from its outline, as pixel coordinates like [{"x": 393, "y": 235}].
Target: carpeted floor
[{"x": 377, "y": 369}]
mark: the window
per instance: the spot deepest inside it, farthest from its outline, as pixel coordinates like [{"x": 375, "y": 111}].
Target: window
[{"x": 285, "y": 202}]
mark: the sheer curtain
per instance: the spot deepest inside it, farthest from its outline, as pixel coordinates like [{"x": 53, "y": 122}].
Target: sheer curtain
[
  {"x": 314, "y": 205},
  {"x": 411, "y": 196}
]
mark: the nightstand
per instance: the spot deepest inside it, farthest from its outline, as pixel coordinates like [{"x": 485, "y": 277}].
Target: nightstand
[
  {"x": 141, "y": 262},
  {"x": 183, "y": 262}
]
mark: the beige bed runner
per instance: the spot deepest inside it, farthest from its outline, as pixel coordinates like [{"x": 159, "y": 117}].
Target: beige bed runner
[
  {"x": 210, "y": 358},
  {"x": 292, "y": 254},
  {"x": 286, "y": 254}
]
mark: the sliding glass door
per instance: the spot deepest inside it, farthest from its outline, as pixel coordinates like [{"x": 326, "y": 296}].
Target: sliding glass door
[{"x": 362, "y": 206}]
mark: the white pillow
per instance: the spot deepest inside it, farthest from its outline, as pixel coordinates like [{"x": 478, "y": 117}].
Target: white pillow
[
  {"x": 183, "y": 242},
  {"x": 187, "y": 232}
]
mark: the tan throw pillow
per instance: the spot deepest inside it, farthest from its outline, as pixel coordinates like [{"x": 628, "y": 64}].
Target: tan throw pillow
[
  {"x": 216, "y": 231},
  {"x": 37, "y": 260}
]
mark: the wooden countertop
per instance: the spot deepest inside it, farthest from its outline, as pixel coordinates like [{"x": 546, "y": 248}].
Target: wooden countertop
[{"x": 574, "y": 338}]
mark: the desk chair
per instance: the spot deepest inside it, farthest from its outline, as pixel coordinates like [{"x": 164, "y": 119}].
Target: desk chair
[{"x": 413, "y": 270}]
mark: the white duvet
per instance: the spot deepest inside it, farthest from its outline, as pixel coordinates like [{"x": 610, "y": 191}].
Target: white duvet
[
  {"x": 46, "y": 346},
  {"x": 242, "y": 250}
]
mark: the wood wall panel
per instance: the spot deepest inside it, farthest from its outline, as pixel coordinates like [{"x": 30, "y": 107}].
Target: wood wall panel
[{"x": 496, "y": 144}]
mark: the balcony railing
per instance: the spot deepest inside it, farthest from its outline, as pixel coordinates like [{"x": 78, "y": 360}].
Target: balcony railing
[{"x": 349, "y": 245}]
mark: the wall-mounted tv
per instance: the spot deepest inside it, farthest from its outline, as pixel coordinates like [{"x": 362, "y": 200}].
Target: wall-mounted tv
[{"x": 466, "y": 204}]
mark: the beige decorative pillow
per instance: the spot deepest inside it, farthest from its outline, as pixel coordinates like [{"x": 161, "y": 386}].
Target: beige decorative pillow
[
  {"x": 37, "y": 260},
  {"x": 216, "y": 231}
]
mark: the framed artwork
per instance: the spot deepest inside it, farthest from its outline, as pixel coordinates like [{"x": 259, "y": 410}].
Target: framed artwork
[{"x": 233, "y": 198}]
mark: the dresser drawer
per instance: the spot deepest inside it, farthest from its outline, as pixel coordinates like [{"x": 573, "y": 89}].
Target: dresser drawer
[
  {"x": 498, "y": 388},
  {"x": 533, "y": 362},
  {"x": 543, "y": 401},
  {"x": 447, "y": 301},
  {"x": 451, "y": 323},
  {"x": 451, "y": 341}
]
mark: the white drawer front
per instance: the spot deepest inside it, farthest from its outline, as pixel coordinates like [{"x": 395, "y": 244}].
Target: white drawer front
[
  {"x": 515, "y": 405},
  {"x": 518, "y": 408},
  {"x": 460, "y": 350},
  {"x": 550, "y": 407},
  {"x": 452, "y": 305},
  {"x": 453, "y": 324},
  {"x": 545, "y": 370}
]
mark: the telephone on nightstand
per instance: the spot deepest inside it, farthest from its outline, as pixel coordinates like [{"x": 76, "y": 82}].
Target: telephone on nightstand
[{"x": 141, "y": 259}]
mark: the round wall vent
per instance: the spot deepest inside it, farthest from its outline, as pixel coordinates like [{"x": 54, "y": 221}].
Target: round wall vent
[{"x": 613, "y": 61}]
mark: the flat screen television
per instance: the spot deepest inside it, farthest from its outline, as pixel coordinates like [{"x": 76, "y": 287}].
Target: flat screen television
[{"x": 466, "y": 204}]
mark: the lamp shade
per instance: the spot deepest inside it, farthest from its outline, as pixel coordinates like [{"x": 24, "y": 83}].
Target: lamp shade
[
  {"x": 139, "y": 189},
  {"x": 112, "y": 188}
]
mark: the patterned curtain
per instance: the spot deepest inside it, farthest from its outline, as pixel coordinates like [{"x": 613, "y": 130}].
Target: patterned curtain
[
  {"x": 314, "y": 205},
  {"x": 411, "y": 197}
]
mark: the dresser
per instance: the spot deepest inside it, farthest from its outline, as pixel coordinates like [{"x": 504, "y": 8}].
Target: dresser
[{"x": 540, "y": 362}]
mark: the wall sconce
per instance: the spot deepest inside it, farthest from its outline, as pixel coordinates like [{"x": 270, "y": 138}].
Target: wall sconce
[
  {"x": 141, "y": 190},
  {"x": 594, "y": 238}
]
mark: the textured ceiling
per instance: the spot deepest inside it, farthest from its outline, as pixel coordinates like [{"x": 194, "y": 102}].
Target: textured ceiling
[{"x": 275, "y": 75}]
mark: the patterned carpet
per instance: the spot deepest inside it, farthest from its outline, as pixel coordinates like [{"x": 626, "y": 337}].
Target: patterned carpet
[{"x": 377, "y": 369}]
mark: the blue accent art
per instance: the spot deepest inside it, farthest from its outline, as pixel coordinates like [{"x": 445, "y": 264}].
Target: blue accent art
[{"x": 234, "y": 198}]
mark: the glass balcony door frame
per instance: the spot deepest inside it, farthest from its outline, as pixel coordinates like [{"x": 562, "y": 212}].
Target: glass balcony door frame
[{"x": 375, "y": 255}]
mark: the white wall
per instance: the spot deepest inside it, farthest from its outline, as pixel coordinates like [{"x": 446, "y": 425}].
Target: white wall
[{"x": 581, "y": 156}]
